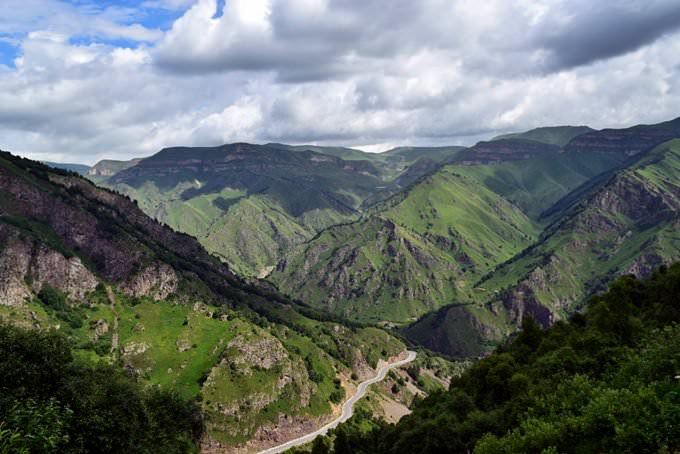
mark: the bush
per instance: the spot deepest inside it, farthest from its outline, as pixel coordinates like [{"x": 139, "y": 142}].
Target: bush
[
  {"x": 337, "y": 396},
  {"x": 56, "y": 302}
]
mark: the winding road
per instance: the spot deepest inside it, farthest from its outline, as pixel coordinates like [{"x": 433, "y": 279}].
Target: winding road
[{"x": 347, "y": 407}]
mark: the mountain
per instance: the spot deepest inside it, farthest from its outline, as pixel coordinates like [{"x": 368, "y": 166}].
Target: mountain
[
  {"x": 554, "y": 135},
  {"x": 413, "y": 154},
  {"x": 348, "y": 154},
  {"x": 604, "y": 381},
  {"x": 502, "y": 150},
  {"x": 431, "y": 246},
  {"x": 414, "y": 253},
  {"x": 125, "y": 290},
  {"x": 536, "y": 185},
  {"x": 248, "y": 203},
  {"x": 628, "y": 225},
  {"x": 628, "y": 141},
  {"x": 77, "y": 168},
  {"x": 107, "y": 168}
]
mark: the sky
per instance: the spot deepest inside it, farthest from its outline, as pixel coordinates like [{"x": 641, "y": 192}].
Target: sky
[{"x": 82, "y": 80}]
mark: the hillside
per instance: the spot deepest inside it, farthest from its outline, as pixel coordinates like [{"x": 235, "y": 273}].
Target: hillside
[
  {"x": 431, "y": 246},
  {"x": 107, "y": 168},
  {"x": 419, "y": 250},
  {"x": 78, "y": 168},
  {"x": 125, "y": 290},
  {"x": 413, "y": 154},
  {"x": 496, "y": 151},
  {"x": 248, "y": 203},
  {"x": 627, "y": 141},
  {"x": 605, "y": 381},
  {"x": 348, "y": 154},
  {"x": 554, "y": 135},
  {"x": 538, "y": 184},
  {"x": 629, "y": 225}
]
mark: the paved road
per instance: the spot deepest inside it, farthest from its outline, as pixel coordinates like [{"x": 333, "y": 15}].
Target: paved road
[{"x": 347, "y": 408}]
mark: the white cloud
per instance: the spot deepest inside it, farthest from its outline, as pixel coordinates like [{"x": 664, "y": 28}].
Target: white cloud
[{"x": 368, "y": 73}]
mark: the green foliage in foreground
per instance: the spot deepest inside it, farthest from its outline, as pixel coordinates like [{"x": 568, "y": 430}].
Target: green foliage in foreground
[
  {"x": 606, "y": 381},
  {"x": 49, "y": 403}
]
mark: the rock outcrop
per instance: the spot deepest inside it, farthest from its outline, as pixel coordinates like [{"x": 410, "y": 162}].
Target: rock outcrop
[{"x": 26, "y": 265}]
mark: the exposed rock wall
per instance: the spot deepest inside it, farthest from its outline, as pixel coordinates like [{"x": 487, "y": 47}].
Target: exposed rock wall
[{"x": 25, "y": 266}]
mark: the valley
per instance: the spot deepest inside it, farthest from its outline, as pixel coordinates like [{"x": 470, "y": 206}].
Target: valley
[
  {"x": 126, "y": 291},
  {"x": 450, "y": 245},
  {"x": 225, "y": 275},
  {"x": 339, "y": 227}
]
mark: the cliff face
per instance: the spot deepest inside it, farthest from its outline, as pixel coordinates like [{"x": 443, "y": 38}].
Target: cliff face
[
  {"x": 502, "y": 150},
  {"x": 109, "y": 167},
  {"x": 26, "y": 265},
  {"x": 629, "y": 141}
]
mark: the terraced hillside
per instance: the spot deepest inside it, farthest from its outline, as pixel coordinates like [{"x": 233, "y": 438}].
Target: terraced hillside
[{"x": 127, "y": 290}]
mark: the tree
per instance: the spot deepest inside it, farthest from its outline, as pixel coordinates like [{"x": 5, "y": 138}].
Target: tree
[{"x": 321, "y": 445}]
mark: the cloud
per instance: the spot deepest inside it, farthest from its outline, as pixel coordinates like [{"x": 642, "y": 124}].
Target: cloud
[
  {"x": 340, "y": 72},
  {"x": 587, "y": 31}
]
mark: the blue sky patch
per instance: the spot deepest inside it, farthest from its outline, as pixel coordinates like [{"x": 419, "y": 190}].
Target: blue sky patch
[{"x": 8, "y": 52}]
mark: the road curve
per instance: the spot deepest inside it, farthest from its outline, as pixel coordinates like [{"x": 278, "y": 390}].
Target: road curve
[{"x": 347, "y": 407}]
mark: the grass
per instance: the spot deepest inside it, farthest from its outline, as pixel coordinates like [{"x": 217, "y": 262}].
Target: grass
[{"x": 535, "y": 185}]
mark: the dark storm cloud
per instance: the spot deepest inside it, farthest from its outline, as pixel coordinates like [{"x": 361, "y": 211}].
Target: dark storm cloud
[{"x": 599, "y": 30}]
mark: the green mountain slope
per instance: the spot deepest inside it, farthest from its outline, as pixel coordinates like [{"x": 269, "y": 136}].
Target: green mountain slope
[
  {"x": 628, "y": 141},
  {"x": 554, "y": 135},
  {"x": 412, "y": 154},
  {"x": 348, "y": 154},
  {"x": 248, "y": 203},
  {"x": 417, "y": 251},
  {"x": 128, "y": 291},
  {"x": 539, "y": 183},
  {"x": 629, "y": 225}
]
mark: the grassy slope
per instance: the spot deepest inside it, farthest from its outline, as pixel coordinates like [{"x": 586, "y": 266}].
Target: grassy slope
[
  {"x": 250, "y": 213},
  {"x": 412, "y": 154},
  {"x": 417, "y": 253},
  {"x": 605, "y": 236},
  {"x": 535, "y": 185},
  {"x": 156, "y": 334},
  {"x": 555, "y": 135}
]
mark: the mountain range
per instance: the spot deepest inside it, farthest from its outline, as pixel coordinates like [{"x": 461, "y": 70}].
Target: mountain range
[
  {"x": 128, "y": 291},
  {"x": 469, "y": 239},
  {"x": 265, "y": 281}
]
